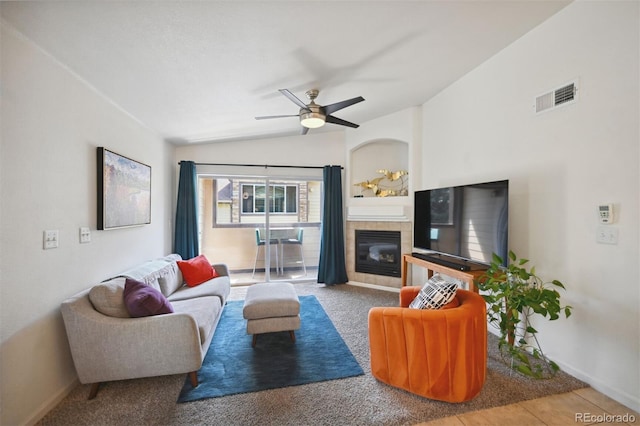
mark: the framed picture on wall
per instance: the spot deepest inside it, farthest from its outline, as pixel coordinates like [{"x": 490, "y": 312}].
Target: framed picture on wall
[{"x": 124, "y": 191}]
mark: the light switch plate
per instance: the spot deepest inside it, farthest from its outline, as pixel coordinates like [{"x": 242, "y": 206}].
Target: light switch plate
[
  {"x": 607, "y": 235},
  {"x": 85, "y": 235},
  {"x": 50, "y": 239}
]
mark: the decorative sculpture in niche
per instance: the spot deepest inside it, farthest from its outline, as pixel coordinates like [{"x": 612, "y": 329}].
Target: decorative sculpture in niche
[{"x": 391, "y": 184}]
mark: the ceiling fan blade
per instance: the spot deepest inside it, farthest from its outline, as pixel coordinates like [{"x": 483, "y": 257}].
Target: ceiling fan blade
[
  {"x": 276, "y": 116},
  {"x": 304, "y": 130},
  {"x": 293, "y": 98},
  {"x": 340, "y": 121},
  {"x": 330, "y": 109}
]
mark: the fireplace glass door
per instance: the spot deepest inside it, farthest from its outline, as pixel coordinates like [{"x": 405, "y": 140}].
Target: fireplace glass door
[{"x": 378, "y": 252}]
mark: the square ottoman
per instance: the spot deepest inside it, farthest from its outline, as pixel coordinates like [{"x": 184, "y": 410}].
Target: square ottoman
[{"x": 271, "y": 307}]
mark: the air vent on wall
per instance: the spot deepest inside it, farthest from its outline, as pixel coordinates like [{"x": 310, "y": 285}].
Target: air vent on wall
[{"x": 561, "y": 96}]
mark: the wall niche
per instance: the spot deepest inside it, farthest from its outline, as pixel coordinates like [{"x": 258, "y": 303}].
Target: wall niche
[{"x": 370, "y": 157}]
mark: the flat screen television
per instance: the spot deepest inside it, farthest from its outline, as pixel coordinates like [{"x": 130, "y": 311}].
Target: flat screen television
[{"x": 462, "y": 226}]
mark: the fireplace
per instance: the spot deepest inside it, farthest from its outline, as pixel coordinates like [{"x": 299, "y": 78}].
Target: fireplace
[
  {"x": 378, "y": 252},
  {"x": 402, "y": 226}
]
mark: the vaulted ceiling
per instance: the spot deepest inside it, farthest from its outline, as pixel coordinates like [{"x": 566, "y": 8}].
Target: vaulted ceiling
[{"x": 201, "y": 71}]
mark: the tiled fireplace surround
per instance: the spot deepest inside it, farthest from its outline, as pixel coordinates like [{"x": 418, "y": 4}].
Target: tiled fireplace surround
[{"x": 377, "y": 225}]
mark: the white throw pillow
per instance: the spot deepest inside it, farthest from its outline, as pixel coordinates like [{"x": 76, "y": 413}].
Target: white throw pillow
[{"x": 436, "y": 293}]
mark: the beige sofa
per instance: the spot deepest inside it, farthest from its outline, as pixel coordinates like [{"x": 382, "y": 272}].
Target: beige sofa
[{"x": 107, "y": 344}]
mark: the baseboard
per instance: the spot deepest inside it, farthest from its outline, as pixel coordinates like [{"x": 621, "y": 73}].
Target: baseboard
[
  {"x": 623, "y": 398},
  {"x": 50, "y": 404},
  {"x": 374, "y": 286}
]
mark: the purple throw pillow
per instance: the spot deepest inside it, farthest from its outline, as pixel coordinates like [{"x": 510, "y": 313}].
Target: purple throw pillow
[{"x": 143, "y": 301}]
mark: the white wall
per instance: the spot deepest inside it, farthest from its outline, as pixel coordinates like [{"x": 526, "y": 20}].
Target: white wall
[
  {"x": 312, "y": 149},
  {"x": 51, "y": 125},
  {"x": 561, "y": 165}
]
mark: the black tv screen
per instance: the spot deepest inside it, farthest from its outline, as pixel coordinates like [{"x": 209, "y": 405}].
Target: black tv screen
[{"x": 463, "y": 223}]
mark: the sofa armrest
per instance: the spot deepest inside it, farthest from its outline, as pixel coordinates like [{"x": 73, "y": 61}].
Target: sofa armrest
[
  {"x": 407, "y": 294},
  {"x": 107, "y": 348},
  {"x": 221, "y": 269}
]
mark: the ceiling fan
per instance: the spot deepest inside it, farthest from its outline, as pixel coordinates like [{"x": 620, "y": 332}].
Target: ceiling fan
[{"x": 313, "y": 115}]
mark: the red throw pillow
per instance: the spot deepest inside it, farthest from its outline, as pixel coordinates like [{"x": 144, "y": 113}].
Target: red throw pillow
[{"x": 196, "y": 270}]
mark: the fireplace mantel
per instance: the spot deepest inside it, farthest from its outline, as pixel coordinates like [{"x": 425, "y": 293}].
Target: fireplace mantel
[{"x": 386, "y": 213}]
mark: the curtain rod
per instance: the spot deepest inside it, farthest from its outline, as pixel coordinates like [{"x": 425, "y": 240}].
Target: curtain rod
[{"x": 260, "y": 165}]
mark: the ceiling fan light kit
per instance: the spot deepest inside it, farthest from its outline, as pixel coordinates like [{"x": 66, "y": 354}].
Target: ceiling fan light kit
[
  {"x": 312, "y": 115},
  {"x": 312, "y": 120}
]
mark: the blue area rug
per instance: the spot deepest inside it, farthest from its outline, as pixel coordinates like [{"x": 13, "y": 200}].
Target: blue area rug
[{"x": 232, "y": 366}]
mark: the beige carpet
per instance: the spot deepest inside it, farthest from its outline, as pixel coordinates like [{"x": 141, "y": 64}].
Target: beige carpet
[{"x": 353, "y": 401}]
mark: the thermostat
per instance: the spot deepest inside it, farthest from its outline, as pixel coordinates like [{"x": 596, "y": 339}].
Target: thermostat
[{"x": 605, "y": 213}]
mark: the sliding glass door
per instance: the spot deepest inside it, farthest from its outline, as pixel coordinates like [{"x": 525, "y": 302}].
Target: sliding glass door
[{"x": 263, "y": 228}]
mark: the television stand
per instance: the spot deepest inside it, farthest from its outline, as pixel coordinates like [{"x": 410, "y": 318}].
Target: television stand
[
  {"x": 469, "y": 275},
  {"x": 460, "y": 265}
]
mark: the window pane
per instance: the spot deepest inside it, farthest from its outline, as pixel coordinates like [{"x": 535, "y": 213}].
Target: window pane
[
  {"x": 277, "y": 202},
  {"x": 259, "y": 199},
  {"x": 235, "y": 202},
  {"x": 247, "y": 199},
  {"x": 292, "y": 198}
]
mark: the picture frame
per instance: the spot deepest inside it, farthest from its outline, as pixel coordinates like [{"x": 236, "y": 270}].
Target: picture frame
[{"x": 124, "y": 191}]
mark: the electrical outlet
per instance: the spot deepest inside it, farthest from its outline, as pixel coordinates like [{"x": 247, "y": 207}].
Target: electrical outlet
[
  {"x": 50, "y": 239},
  {"x": 607, "y": 235},
  {"x": 85, "y": 235}
]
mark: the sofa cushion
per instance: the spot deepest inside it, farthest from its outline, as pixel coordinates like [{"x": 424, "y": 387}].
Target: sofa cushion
[
  {"x": 107, "y": 298},
  {"x": 146, "y": 272},
  {"x": 142, "y": 300},
  {"x": 158, "y": 269},
  {"x": 205, "y": 310},
  {"x": 435, "y": 294},
  {"x": 170, "y": 279},
  {"x": 196, "y": 270},
  {"x": 219, "y": 287}
]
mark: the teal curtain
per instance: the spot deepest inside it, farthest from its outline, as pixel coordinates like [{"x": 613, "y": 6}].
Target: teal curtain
[
  {"x": 332, "y": 267},
  {"x": 186, "y": 229}
]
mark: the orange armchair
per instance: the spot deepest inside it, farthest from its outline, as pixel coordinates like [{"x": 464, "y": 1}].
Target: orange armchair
[{"x": 438, "y": 354}]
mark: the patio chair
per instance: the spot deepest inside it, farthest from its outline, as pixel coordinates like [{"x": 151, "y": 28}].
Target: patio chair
[
  {"x": 296, "y": 241},
  {"x": 260, "y": 242}
]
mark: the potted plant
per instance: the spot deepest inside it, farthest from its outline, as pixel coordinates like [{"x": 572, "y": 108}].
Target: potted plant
[{"x": 514, "y": 294}]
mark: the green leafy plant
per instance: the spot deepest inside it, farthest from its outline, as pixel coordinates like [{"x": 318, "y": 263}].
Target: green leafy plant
[{"x": 513, "y": 295}]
